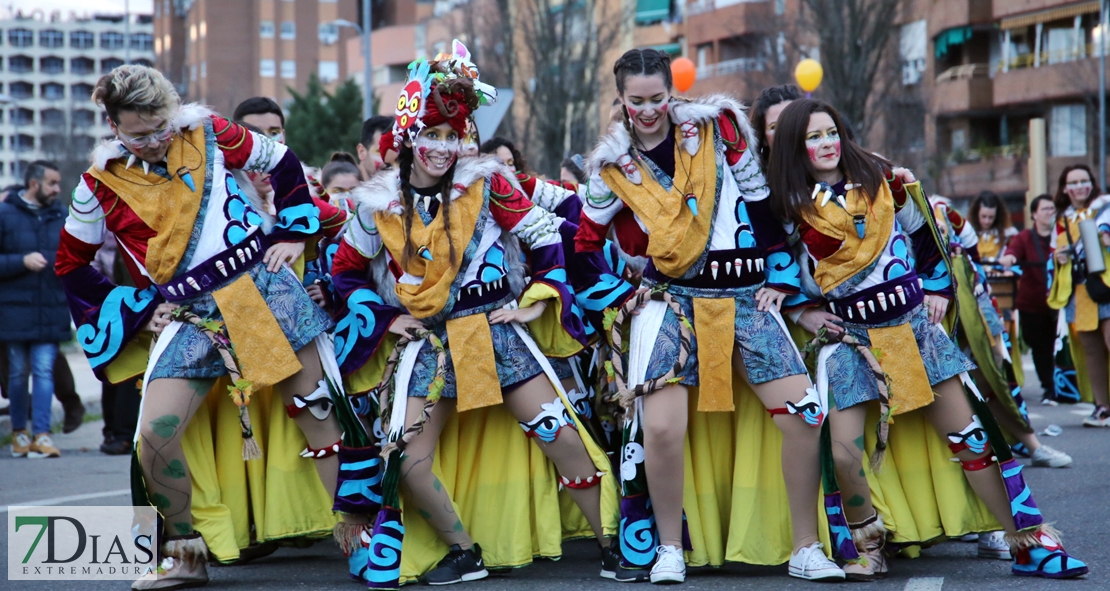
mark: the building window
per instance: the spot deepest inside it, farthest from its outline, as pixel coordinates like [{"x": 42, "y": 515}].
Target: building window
[
  {"x": 193, "y": 73},
  {"x": 142, "y": 41},
  {"x": 52, "y": 38},
  {"x": 288, "y": 30},
  {"x": 652, "y": 11},
  {"x": 193, "y": 32},
  {"x": 143, "y": 62},
  {"x": 203, "y": 29},
  {"x": 111, "y": 40},
  {"x": 167, "y": 42},
  {"x": 329, "y": 71},
  {"x": 52, "y": 91},
  {"x": 912, "y": 47},
  {"x": 82, "y": 65},
  {"x": 20, "y": 64},
  {"x": 52, "y": 65},
  {"x": 53, "y": 117},
  {"x": 24, "y": 116},
  {"x": 158, "y": 46},
  {"x": 204, "y": 69},
  {"x": 266, "y": 68},
  {"x": 1068, "y": 131},
  {"x": 289, "y": 69},
  {"x": 266, "y": 30},
  {"x": 22, "y": 90},
  {"x": 329, "y": 33},
  {"x": 81, "y": 40},
  {"x": 109, "y": 64},
  {"x": 81, "y": 91},
  {"x": 83, "y": 118},
  {"x": 20, "y": 38}
]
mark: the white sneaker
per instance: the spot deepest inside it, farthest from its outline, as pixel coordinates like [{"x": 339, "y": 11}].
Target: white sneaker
[
  {"x": 670, "y": 565},
  {"x": 993, "y": 545},
  {"x": 810, "y": 563},
  {"x": 973, "y": 537},
  {"x": 1099, "y": 418},
  {"x": 1047, "y": 457}
]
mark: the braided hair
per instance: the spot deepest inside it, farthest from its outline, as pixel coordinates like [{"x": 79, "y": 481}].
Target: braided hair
[
  {"x": 408, "y": 202},
  {"x": 642, "y": 62}
]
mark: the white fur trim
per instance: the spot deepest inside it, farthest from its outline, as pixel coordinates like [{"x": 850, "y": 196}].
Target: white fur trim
[
  {"x": 380, "y": 193},
  {"x": 191, "y": 115},
  {"x": 107, "y": 151},
  {"x": 259, "y": 206},
  {"x": 707, "y": 108}
]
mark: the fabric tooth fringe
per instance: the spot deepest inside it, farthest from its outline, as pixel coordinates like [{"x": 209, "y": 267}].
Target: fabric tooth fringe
[
  {"x": 347, "y": 535},
  {"x": 1030, "y": 538}
]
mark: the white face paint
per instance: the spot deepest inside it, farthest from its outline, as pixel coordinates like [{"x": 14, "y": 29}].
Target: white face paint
[{"x": 436, "y": 149}]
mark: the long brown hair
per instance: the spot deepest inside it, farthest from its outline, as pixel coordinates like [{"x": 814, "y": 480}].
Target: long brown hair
[
  {"x": 791, "y": 174},
  {"x": 1061, "y": 199},
  {"x": 993, "y": 201}
]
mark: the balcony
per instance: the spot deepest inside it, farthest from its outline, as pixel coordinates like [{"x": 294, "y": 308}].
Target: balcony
[
  {"x": 743, "y": 64},
  {"x": 1008, "y": 8},
  {"x": 1024, "y": 82},
  {"x": 729, "y": 21},
  {"x": 1000, "y": 174},
  {"x": 947, "y": 14},
  {"x": 962, "y": 89}
]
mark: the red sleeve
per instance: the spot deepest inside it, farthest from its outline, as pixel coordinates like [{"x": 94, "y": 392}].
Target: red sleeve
[
  {"x": 956, "y": 220},
  {"x": 1017, "y": 247},
  {"x": 897, "y": 190},
  {"x": 234, "y": 141},
  {"x": 735, "y": 144},
  {"x": 508, "y": 205},
  {"x": 632, "y": 238},
  {"x": 332, "y": 218},
  {"x": 819, "y": 245}
]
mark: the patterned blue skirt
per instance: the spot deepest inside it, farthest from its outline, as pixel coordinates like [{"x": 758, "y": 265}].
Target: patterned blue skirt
[
  {"x": 990, "y": 314},
  {"x": 1069, "y": 310},
  {"x": 767, "y": 350},
  {"x": 191, "y": 355},
  {"x": 851, "y": 380},
  {"x": 515, "y": 363}
]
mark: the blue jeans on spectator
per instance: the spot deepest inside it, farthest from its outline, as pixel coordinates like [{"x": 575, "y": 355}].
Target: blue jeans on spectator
[{"x": 31, "y": 359}]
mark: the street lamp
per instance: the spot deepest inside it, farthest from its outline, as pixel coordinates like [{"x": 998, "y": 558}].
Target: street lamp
[
  {"x": 7, "y": 99},
  {"x": 367, "y": 69}
]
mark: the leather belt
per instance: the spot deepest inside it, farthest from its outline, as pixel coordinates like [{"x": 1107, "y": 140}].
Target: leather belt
[
  {"x": 217, "y": 271},
  {"x": 881, "y": 303}
]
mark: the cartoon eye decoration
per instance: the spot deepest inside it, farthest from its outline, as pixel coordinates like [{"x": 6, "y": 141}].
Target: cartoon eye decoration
[
  {"x": 402, "y": 101},
  {"x": 409, "y": 104}
]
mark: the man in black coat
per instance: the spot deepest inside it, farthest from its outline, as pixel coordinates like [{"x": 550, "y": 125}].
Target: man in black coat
[{"x": 34, "y": 315}]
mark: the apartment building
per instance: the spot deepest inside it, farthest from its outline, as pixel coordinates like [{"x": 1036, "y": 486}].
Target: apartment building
[
  {"x": 988, "y": 67},
  {"x": 49, "y": 64},
  {"x": 220, "y": 53}
]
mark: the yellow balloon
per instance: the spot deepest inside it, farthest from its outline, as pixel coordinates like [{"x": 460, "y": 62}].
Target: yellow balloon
[{"x": 808, "y": 74}]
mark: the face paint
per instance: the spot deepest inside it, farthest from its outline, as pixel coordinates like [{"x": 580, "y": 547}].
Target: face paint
[
  {"x": 656, "y": 110},
  {"x": 818, "y": 146},
  {"x": 437, "y": 155}
]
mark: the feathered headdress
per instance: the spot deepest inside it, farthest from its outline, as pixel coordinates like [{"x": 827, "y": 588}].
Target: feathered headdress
[{"x": 429, "y": 97}]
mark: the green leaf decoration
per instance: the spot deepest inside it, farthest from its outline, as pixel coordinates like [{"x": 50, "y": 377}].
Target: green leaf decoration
[
  {"x": 165, "y": 425},
  {"x": 183, "y": 528},
  {"x": 175, "y": 469},
  {"x": 160, "y": 501},
  {"x": 609, "y": 316}
]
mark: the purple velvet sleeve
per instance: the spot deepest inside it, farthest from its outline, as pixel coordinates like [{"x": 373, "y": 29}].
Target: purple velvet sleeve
[
  {"x": 107, "y": 316},
  {"x": 297, "y": 215}
]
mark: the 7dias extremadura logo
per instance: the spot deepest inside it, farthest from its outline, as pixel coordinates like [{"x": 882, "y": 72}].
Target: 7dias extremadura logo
[{"x": 81, "y": 543}]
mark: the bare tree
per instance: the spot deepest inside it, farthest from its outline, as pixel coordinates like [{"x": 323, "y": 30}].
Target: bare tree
[
  {"x": 854, "y": 37},
  {"x": 562, "y": 44}
]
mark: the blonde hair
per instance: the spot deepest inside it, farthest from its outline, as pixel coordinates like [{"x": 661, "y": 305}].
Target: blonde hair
[{"x": 141, "y": 89}]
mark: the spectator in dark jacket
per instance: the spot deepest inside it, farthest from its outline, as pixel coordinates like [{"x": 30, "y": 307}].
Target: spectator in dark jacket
[
  {"x": 1031, "y": 249},
  {"x": 34, "y": 316}
]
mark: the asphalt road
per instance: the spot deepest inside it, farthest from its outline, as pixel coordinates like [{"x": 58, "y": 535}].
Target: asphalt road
[{"x": 1074, "y": 498}]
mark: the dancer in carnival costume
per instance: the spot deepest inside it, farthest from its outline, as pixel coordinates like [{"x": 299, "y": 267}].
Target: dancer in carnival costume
[
  {"x": 435, "y": 293},
  {"x": 214, "y": 289},
  {"x": 984, "y": 338},
  {"x": 857, "y": 224},
  {"x": 689, "y": 175},
  {"x": 1081, "y": 293},
  {"x": 990, "y": 220}
]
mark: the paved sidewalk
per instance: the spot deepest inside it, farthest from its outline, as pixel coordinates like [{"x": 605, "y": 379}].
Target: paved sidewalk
[{"x": 88, "y": 387}]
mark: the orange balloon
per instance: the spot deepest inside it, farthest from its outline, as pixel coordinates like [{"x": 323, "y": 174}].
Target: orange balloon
[{"x": 684, "y": 73}]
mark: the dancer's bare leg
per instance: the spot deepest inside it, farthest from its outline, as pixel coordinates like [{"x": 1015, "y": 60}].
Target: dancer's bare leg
[
  {"x": 432, "y": 501},
  {"x": 665, "y": 418}
]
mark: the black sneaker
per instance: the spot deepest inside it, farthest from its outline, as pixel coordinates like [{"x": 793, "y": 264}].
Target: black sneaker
[
  {"x": 458, "y": 566},
  {"x": 115, "y": 447},
  {"x": 611, "y": 567}
]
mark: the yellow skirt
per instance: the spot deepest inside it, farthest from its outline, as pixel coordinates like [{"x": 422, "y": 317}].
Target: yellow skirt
[{"x": 230, "y": 495}]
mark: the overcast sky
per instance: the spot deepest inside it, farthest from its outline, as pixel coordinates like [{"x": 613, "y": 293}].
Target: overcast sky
[{"x": 80, "y": 6}]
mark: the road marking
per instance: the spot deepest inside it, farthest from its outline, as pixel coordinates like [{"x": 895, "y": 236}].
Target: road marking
[
  {"x": 1035, "y": 416},
  {"x": 64, "y": 500},
  {"x": 1082, "y": 413},
  {"x": 925, "y": 584}
]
